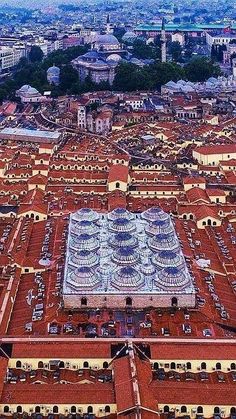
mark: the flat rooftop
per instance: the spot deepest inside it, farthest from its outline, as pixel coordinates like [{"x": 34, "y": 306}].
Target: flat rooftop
[{"x": 53, "y": 135}]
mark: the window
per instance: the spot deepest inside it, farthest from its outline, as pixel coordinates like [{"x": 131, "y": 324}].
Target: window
[
  {"x": 55, "y": 409},
  {"x": 216, "y": 410},
  {"x": 204, "y": 223},
  {"x": 6, "y": 409},
  {"x": 172, "y": 365},
  {"x": 19, "y": 409},
  {"x": 86, "y": 364},
  {"x": 166, "y": 409},
  {"x": 203, "y": 366},
  {"x": 128, "y": 301},
  {"x": 90, "y": 409},
  {"x": 183, "y": 409},
  {"x": 188, "y": 366},
  {"x": 105, "y": 364},
  {"x": 218, "y": 366},
  {"x": 174, "y": 301},
  {"x": 233, "y": 366},
  {"x": 107, "y": 409},
  {"x": 117, "y": 185},
  {"x": 61, "y": 364},
  {"x": 233, "y": 410},
  {"x": 40, "y": 364},
  {"x": 209, "y": 222},
  {"x": 83, "y": 301},
  {"x": 73, "y": 409},
  {"x": 199, "y": 409},
  {"x": 18, "y": 364},
  {"x": 37, "y": 409},
  {"x": 155, "y": 365}
]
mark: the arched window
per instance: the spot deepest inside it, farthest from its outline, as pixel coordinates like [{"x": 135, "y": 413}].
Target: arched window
[
  {"x": 166, "y": 409},
  {"x": 155, "y": 365},
  {"x": 199, "y": 409},
  {"x": 117, "y": 185},
  {"x": 128, "y": 301},
  {"x": 73, "y": 409},
  {"x": 86, "y": 364},
  {"x": 37, "y": 217},
  {"x": 209, "y": 222},
  {"x": 90, "y": 409},
  {"x": 183, "y": 409},
  {"x": 40, "y": 364},
  {"x": 61, "y": 364},
  {"x": 218, "y": 366},
  {"x": 6, "y": 409},
  {"x": 105, "y": 364},
  {"x": 174, "y": 302},
  {"x": 191, "y": 216},
  {"x": 172, "y": 365},
  {"x": 37, "y": 409},
  {"x": 31, "y": 215},
  {"x": 216, "y": 410},
  {"x": 233, "y": 366},
  {"x": 107, "y": 409},
  {"x": 55, "y": 409},
  {"x": 18, "y": 364},
  {"x": 233, "y": 411},
  {"x": 188, "y": 366},
  {"x": 83, "y": 301},
  {"x": 203, "y": 366},
  {"x": 185, "y": 216}
]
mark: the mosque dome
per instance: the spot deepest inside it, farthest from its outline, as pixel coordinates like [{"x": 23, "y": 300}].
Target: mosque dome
[
  {"x": 84, "y": 226},
  {"x": 122, "y": 225},
  {"x": 127, "y": 278},
  {"x": 159, "y": 226},
  {"x": 84, "y": 278},
  {"x": 24, "y": 88},
  {"x": 85, "y": 214},
  {"x": 114, "y": 57},
  {"x": 55, "y": 71},
  {"x": 148, "y": 269},
  {"x": 84, "y": 242},
  {"x": 84, "y": 258},
  {"x": 123, "y": 239},
  {"x": 166, "y": 258},
  {"x": 154, "y": 213},
  {"x": 163, "y": 242},
  {"x": 120, "y": 213},
  {"x": 107, "y": 40},
  {"x": 125, "y": 256},
  {"x": 129, "y": 36},
  {"x": 32, "y": 91},
  {"x": 172, "y": 278}
]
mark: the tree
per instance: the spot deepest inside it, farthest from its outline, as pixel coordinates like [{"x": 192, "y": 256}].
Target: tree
[
  {"x": 130, "y": 77},
  {"x": 175, "y": 50},
  {"x": 36, "y": 54},
  {"x": 199, "y": 69}
]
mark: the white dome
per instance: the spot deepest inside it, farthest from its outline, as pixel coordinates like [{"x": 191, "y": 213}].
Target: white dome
[
  {"x": 114, "y": 57},
  {"x": 107, "y": 40}
]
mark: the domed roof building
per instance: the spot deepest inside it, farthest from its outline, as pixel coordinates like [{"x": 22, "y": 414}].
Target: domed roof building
[
  {"x": 121, "y": 259},
  {"x": 29, "y": 94},
  {"x": 100, "y": 62},
  {"x": 53, "y": 75}
]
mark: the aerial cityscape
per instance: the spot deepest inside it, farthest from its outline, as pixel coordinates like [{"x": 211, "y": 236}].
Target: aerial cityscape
[{"x": 118, "y": 209}]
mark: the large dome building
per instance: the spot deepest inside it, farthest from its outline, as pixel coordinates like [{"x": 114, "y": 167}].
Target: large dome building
[
  {"x": 100, "y": 62},
  {"x": 121, "y": 259}
]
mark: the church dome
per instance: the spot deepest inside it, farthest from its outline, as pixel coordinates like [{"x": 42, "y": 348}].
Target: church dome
[
  {"x": 125, "y": 256},
  {"x": 127, "y": 278},
  {"x": 123, "y": 239},
  {"x": 172, "y": 278},
  {"x": 107, "y": 40},
  {"x": 84, "y": 278}
]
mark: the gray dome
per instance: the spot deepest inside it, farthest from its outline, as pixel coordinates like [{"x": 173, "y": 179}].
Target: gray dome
[
  {"x": 84, "y": 242},
  {"x": 107, "y": 40},
  {"x": 127, "y": 278},
  {"x": 163, "y": 242},
  {"x": 53, "y": 70},
  {"x": 159, "y": 226},
  {"x": 85, "y": 214},
  {"x": 120, "y": 225},
  {"x": 84, "y": 258},
  {"x": 84, "y": 278},
  {"x": 125, "y": 256},
  {"x": 172, "y": 277},
  {"x": 120, "y": 213},
  {"x": 123, "y": 239},
  {"x": 167, "y": 258},
  {"x": 84, "y": 226},
  {"x": 154, "y": 213}
]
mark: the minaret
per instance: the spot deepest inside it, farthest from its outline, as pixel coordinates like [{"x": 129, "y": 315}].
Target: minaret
[
  {"x": 163, "y": 41},
  {"x": 109, "y": 28}
]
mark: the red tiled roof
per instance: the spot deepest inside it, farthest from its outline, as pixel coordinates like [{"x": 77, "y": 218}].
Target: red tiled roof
[
  {"x": 190, "y": 180},
  {"x": 197, "y": 194},
  {"x": 118, "y": 172},
  {"x": 216, "y": 149}
]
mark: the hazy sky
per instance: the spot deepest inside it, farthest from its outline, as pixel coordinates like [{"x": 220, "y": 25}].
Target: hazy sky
[{"x": 36, "y": 3}]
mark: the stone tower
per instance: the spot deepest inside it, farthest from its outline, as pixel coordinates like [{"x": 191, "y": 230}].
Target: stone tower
[{"x": 163, "y": 42}]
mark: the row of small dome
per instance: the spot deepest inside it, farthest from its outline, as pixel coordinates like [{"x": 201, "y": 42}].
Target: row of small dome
[
  {"x": 87, "y": 214},
  {"x": 155, "y": 243},
  {"x": 128, "y": 278},
  {"x": 127, "y": 256}
]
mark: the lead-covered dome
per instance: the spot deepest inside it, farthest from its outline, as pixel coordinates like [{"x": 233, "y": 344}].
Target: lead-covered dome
[
  {"x": 120, "y": 213},
  {"x": 163, "y": 242},
  {"x": 125, "y": 256},
  {"x": 84, "y": 258},
  {"x": 154, "y": 213},
  {"x": 107, "y": 40},
  {"x": 84, "y": 226},
  {"x": 122, "y": 225},
  {"x": 166, "y": 258},
  {"x": 84, "y": 278},
  {"x": 172, "y": 278},
  {"x": 85, "y": 214},
  {"x": 84, "y": 242},
  {"x": 159, "y": 226},
  {"x": 127, "y": 279},
  {"x": 123, "y": 239}
]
